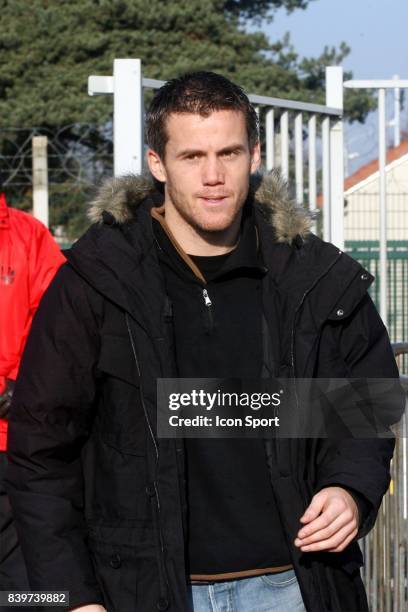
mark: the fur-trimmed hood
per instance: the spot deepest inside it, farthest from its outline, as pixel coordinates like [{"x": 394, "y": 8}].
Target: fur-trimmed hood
[{"x": 121, "y": 196}]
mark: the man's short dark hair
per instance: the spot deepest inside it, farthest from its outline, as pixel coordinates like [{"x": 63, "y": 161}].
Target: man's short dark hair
[{"x": 197, "y": 92}]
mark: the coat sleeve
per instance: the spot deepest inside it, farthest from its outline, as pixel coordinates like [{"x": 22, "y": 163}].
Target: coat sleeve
[
  {"x": 363, "y": 465},
  {"x": 44, "y": 257},
  {"x": 50, "y": 420}
]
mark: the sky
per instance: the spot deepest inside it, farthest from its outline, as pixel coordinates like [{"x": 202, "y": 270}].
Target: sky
[{"x": 376, "y": 31}]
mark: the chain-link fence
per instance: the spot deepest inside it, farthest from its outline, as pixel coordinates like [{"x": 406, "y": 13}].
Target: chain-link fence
[{"x": 79, "y": 155}]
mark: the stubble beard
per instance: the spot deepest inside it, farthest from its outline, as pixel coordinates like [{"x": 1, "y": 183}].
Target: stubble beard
[{"x": 182, "y": 207}]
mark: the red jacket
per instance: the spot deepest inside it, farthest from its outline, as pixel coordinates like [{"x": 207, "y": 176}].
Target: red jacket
[{"x": 29, "y": 258}]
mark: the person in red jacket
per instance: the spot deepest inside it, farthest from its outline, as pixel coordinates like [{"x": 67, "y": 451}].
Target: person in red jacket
[{"x": 29, "y": 259}]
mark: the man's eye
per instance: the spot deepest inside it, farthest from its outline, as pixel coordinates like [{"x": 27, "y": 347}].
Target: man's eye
[
  {"x": 192, "y": 157},
  {"x": 229, "y": 154}
]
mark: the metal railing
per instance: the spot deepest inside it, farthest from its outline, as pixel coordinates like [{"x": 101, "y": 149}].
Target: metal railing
[
  {"x": 284, "y": 123},
  {"x": 382, "y": 86}
]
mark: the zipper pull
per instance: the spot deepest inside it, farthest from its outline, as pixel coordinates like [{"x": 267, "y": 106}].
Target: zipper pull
[{"x": 206, "y": 297}]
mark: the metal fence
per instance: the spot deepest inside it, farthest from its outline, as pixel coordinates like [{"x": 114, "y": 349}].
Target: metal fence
[
  {"x": 386, "y": 547},
  {"x": 304, "y": 140},
  {"x": 78, "y": 156},
  {"x": 361, "y": 216},
  {"x": 367, "y": 253}
]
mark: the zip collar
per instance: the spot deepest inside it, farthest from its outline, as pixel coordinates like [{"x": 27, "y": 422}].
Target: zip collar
[
  {"x": 246, "y": 254},
  {"x": 158, "y": 214}
]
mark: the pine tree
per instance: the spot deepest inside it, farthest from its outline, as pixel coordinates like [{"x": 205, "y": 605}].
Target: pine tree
[{"x": 48, "y": 48}]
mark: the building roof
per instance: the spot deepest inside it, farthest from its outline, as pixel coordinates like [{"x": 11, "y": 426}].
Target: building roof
[{"x": 373, "y": 166}]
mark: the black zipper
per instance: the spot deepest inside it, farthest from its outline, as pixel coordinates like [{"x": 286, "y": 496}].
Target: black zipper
[{"x": 208, "y": 306}]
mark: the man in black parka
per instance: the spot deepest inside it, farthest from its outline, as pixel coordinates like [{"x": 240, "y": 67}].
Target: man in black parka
[{"x": 206, "y": 270}]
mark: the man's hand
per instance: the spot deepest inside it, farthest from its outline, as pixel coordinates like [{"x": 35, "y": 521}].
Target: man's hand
[
  {"x": 330, "y": 522},
  {"x": 89, "y": 608}
]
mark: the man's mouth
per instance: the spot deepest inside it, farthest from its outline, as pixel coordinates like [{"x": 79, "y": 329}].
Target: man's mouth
[{"x": 213, "y": 200}]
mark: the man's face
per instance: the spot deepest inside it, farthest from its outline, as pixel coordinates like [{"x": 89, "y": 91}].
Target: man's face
[{"x": 207, "y": 167}]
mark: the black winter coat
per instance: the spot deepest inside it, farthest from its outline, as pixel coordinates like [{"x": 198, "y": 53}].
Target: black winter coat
[{"x": 99, "y": 501}]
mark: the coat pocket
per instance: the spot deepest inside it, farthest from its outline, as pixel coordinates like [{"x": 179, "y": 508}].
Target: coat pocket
[
  {"x": 125, "y": 566},
  {"x": 116, "y": 359},
  {"x": 121, "y": 418},
  {"x": 116, "y": 573}
]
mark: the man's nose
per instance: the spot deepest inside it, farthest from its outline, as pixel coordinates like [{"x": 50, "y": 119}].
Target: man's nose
[{"x": 213, "y": 171}]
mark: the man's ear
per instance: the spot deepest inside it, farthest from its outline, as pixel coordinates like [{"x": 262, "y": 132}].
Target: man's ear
[
  {"x": 156, "y": 166},
  {"x": 255, "y": 157}
]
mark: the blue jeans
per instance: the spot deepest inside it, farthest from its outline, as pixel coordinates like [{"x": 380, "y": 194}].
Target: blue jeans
[{"x": 267, "y": 593}]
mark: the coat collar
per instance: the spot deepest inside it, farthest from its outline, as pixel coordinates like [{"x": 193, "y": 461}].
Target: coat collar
[
  {"x": 117, "y": 255},
  {"x": 121, "y": 198}
]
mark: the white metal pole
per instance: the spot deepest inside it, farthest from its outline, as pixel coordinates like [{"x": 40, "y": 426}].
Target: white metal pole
[
  {"x": 326, "y": 179},
  {"x": 312, "y": 164},
  {"x": 270, "y": 139},
  {"x": 299, "y": 157},
  {"x": 383, "y": 204},
  {"x": 334, "y": 98},
  {"x": 40, "y": 179},
  {"x": 128, "y": 137},
  {"x": 284, "y": 136},
  {"x": 397, "y": 120}
]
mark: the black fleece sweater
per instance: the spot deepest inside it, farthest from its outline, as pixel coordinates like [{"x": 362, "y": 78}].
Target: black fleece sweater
[{"x": 233, "y": 524}]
